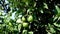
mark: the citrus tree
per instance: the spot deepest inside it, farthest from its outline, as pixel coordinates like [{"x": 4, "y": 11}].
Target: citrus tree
[{"x": 29, "y": 17}]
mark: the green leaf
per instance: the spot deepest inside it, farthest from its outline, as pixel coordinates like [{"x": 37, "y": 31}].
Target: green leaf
[
  {"x": 30, "y": 32},
  {"x": 45, "y": 6},
  {"x": 52, "y": 30},
  {"x": 24, "y": 32},
  {"x": 19, "y": 26},
  {"x": 57, "y": 25},
  {"x": 58, "y": 10}
]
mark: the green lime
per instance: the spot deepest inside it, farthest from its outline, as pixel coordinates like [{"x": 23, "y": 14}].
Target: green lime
[
  {"x": 30, "y": 18},
  {"x": 25, "y": 25},
  {"x": 23, "y": 18}
]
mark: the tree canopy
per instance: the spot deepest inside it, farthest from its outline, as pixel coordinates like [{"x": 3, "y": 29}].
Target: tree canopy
[{"x": 29, "y": 17}]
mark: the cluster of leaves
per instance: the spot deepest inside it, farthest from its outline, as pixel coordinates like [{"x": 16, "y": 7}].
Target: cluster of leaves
[{"x": 29, "y": 17}]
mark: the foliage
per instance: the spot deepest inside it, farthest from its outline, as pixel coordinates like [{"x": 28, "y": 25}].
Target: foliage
[{"x": 29, "y": 17}]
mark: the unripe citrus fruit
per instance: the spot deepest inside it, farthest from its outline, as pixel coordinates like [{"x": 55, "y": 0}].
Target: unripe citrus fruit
[
  {"x": 25, "y": 25},
  {"x": 23, "y": 18},
  {"x": 30, "y": 18}
]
